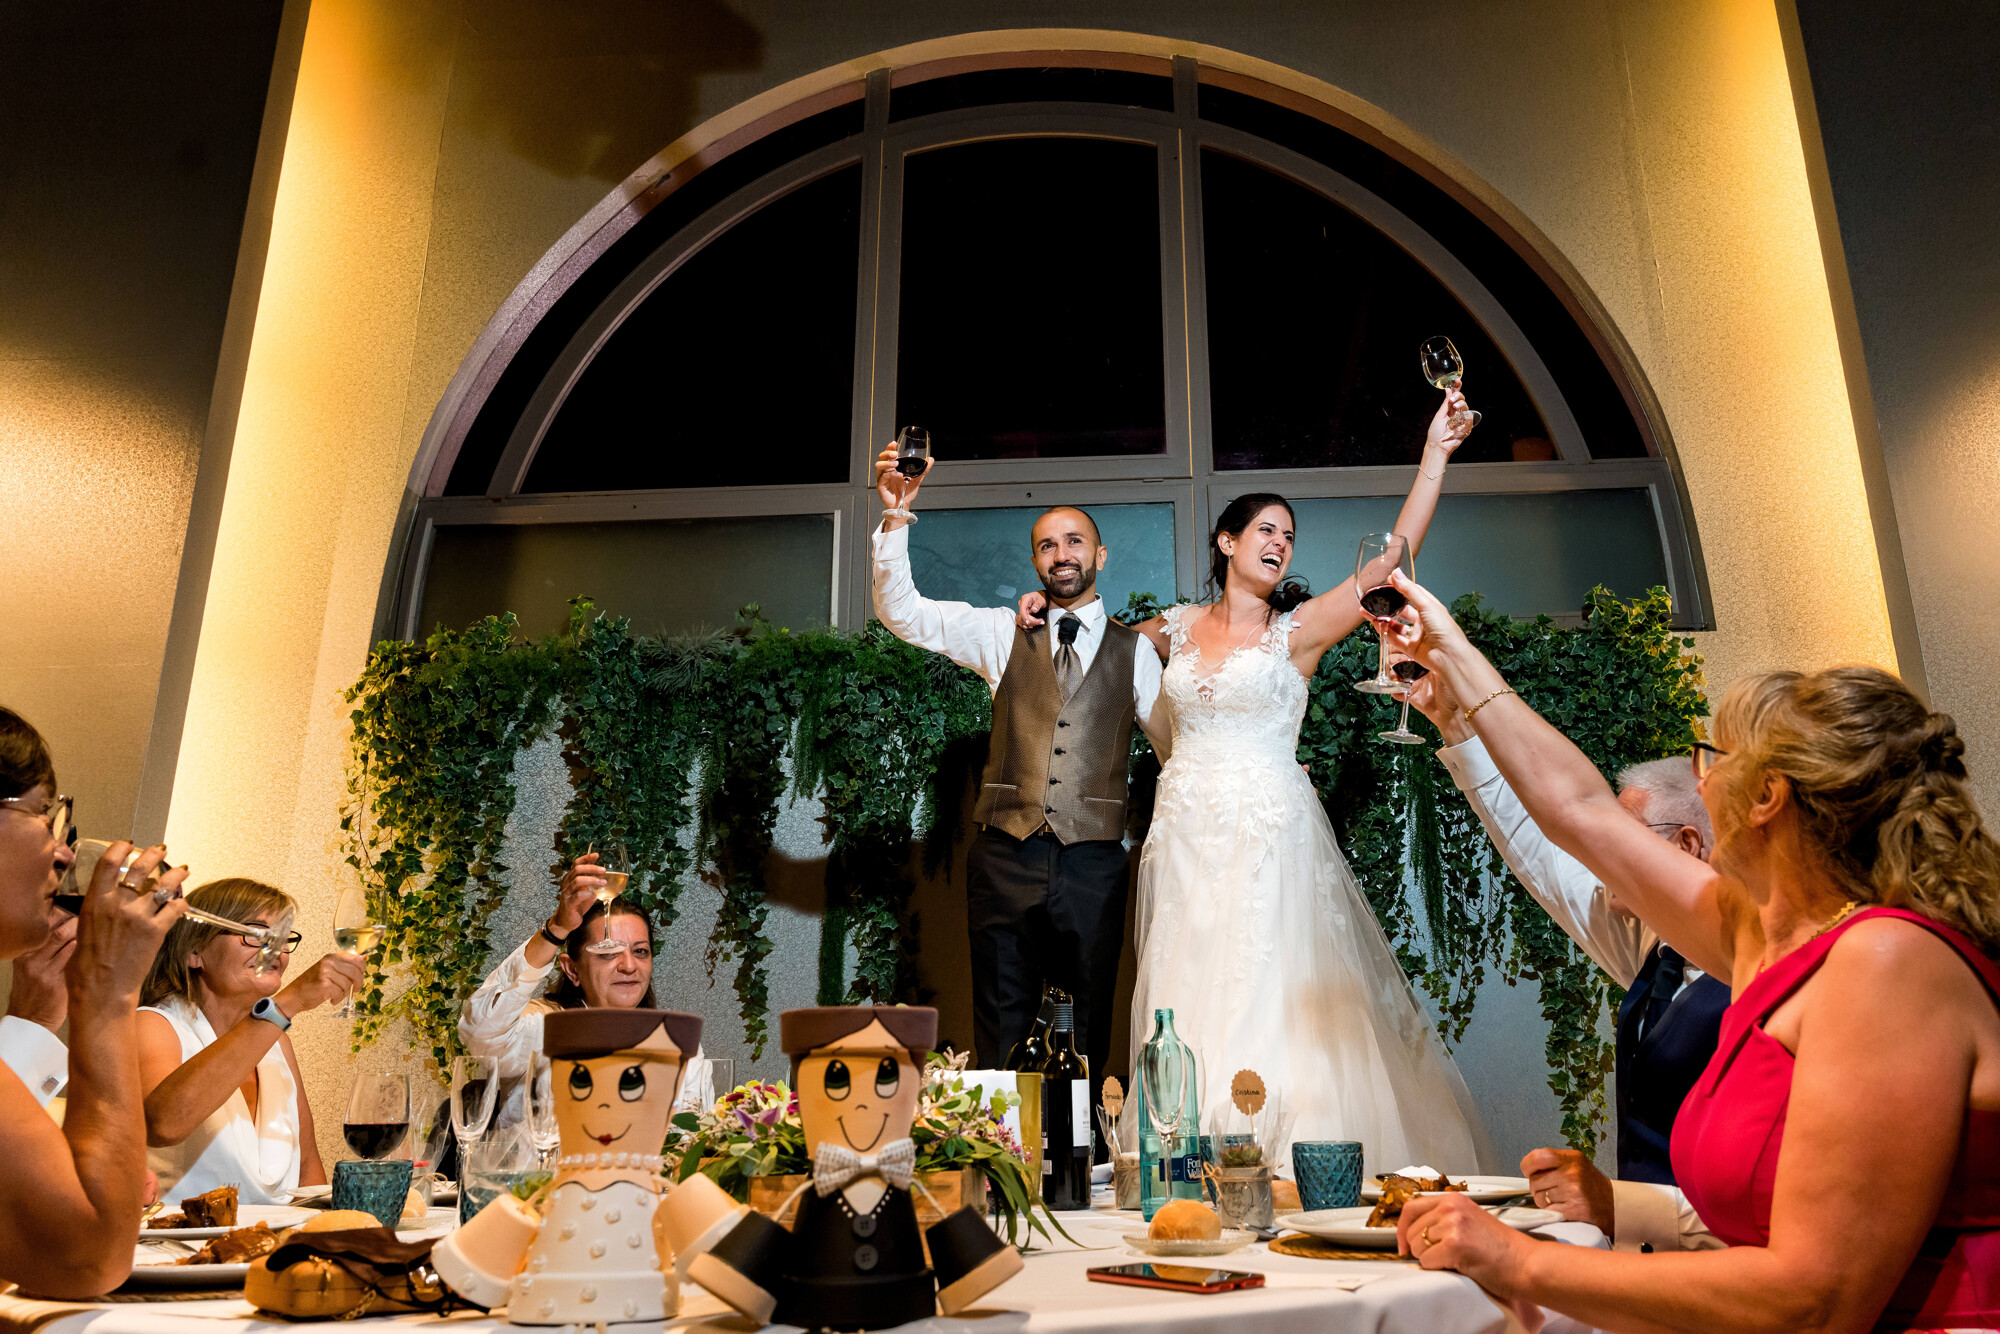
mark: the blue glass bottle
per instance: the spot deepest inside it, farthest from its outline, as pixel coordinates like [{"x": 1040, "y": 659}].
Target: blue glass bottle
[{"x": 1179, "y": 1178}]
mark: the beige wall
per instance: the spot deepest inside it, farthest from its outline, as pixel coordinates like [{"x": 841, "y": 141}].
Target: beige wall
[{"x": 438, "y": 150}]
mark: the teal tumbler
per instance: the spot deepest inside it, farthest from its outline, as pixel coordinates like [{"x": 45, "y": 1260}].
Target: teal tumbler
[
  {"x": 1329, "y": 1173},
  {"x": 377, "y": 1188}
]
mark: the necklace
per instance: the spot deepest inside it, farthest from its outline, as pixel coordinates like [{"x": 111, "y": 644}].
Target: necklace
[{"x": 1826, "y": 926}]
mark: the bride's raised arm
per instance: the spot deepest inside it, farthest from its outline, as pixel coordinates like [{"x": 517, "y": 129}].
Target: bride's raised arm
[{"x": 1325, "y": 620}]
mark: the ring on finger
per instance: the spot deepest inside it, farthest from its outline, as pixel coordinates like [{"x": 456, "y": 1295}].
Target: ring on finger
[
  {"x": 1427, "y": 1235},
  {"x": 165, "y": 894},
  {"x": 126, "y": 866}
]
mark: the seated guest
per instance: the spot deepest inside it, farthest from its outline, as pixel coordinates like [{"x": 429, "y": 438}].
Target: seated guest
[
  {"x": 1845, "y": 1139},
  {"x": 1672, "y": 1010},
  {"x": 70, "y": 1195},
  {"x": 224, "y": 1101},
  {"x": 606, "y": 954}
]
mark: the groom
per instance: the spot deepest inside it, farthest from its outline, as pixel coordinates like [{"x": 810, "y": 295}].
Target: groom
[{"x": 1046, "y": 876}]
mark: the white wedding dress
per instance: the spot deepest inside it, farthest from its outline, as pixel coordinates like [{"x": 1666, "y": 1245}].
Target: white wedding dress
[{"x": 1253, "y": 932}]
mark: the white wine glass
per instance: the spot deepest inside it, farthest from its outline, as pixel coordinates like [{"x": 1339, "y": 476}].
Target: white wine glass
[
  {"x": 269, "y": 939},
  {"x": 913, "y": 459},
  {"x": 1444, "y": 368},
  {"x": 354, "y": 932},
  {"x": 1164, "y": 1075},
  {"x": 1381, "y": 555},
  {"x": 544, "y": 1131},
  {"x": 616, "y": 863}
]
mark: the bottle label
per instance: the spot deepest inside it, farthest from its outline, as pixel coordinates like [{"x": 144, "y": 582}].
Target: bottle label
[
  {"x": 1079, "y": 1113},
  {"x": 1187, "y": 1167}
]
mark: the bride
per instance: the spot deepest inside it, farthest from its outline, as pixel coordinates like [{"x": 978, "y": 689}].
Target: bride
[{"x": 1251, "y": 928}]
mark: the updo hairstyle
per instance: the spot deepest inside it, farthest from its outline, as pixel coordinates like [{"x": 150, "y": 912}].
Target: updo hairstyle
[
  {"x": 1234, "y": 519},
  {"x": 1880, "y": 785}
]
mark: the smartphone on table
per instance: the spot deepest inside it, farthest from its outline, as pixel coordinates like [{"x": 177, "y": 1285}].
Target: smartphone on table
[{"x": 1177, "y": 1278}]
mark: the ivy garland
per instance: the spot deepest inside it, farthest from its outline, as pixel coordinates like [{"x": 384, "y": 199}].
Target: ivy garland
[{"x": 685, "y": 747}]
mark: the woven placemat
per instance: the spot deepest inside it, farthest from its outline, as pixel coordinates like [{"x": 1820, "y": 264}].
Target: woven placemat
[{"x": 1318, "y": 1248}]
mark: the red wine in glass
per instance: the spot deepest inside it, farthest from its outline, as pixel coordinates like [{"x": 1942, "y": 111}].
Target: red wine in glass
[
  {"x": 1383, "y": 602},
  {"x": 372, "y": 1139},
  {"x": 1409, "y": 669}
]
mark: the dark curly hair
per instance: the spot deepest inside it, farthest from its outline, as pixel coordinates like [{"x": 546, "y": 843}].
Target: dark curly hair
[{"x": 1236, "y": 517}]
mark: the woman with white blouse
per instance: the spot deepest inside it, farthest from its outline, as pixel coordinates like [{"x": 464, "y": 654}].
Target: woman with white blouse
[
  {"x": 605, "y": 952},
  {"x": 224, "y": 1102}
]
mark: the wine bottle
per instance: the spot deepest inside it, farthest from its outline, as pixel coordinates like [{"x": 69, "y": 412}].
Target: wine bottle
[{"x": 1065, "y": 1117}]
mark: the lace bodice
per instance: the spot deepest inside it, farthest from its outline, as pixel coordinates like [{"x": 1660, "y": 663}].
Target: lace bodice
[{"x": 1253, "y": 700}]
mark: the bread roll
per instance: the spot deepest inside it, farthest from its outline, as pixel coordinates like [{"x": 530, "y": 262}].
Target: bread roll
[
  {"x": 1185, "y": 1220},
  {"x": 339, "y": 1220}
]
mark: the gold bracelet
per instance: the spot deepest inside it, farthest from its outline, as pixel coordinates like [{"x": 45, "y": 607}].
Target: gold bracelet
[{"x": 1503, "y": 690}]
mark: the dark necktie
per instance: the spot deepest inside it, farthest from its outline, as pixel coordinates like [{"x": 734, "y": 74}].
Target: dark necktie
[
  {"x": 1069, "y": 668},
  {"x": 1666, "y": 983}
]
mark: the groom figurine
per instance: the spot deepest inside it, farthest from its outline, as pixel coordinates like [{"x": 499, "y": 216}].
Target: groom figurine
[{"x": 1046, "y": 875}]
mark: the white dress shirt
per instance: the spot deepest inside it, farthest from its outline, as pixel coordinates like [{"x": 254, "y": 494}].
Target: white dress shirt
[
  {"x": 37, "y": 1056},
  {"x": 982, "y": 638},
  {"x": 502, "y": 1023},
  {"x": 255, "y": 1150},
  {"x": 1617, "y": 942}
]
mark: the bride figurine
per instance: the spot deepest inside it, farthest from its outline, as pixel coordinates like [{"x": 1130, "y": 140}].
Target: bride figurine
[
  {"x": 591, "y": 1257},
  {"x": 1250, "y": 926}
]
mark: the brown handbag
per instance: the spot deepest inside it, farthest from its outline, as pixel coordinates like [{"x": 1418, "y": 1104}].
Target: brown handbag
[{"x": 345, "y": 1275}]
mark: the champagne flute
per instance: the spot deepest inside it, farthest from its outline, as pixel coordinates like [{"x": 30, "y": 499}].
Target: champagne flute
[
  {"x": 1380, "y": 555},
  {"x": 353, "y": 932},
  {"x": 1407, "y": 671},
  {"x": 616, "y": 864},
  {"x": 913, "y": 458},
  {"x": 378, "y": 1113},
  {"x": 1445, "y": 368}
]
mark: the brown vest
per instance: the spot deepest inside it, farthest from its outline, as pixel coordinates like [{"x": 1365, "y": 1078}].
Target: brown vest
[{"x": 1064, "y": 764}]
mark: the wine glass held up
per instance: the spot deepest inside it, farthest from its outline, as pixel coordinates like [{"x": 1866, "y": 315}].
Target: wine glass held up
[
  {"x": 900, "y": 469},
  {"x": 354, "y": 932},
  {"x": 1444, "y": 368},
  {"x": 1407, "y": 671},
  {"x": 1380, "y": 555}
]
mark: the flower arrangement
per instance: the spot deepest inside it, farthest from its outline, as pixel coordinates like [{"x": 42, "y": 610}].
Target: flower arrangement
[{"x": 754, "y": 1130}]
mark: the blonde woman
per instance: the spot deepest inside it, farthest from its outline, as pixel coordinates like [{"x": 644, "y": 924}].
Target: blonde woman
[{"x": 224, "y": 1101}]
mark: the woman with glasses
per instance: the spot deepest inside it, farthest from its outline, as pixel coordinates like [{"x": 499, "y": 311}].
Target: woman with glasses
[
  {"x": 1845, "y": 1138},
  {"x": 224, "y": 1101},
  {"x": 70, "y": 1195},
  {"x": 605, "y": 953}
]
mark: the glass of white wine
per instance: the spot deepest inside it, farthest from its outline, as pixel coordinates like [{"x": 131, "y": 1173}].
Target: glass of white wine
[
  {"x": 1445, "y": 368},
  {"x": 616, "y": 865},
  {"x": 354, "y": 932}
]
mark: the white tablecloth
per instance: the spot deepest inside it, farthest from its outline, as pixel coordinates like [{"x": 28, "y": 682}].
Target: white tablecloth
[{"x": 1050, "y": 1296}]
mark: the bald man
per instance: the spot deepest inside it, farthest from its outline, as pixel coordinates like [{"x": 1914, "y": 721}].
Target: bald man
[{"x": 1047, "y": 875}]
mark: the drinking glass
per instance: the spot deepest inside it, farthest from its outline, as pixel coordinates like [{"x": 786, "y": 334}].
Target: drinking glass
[
  {"x": 544, "y": 1132},
  {"x": 721, "y": 1077},
  {"x": 378, "y": 1113},
  {"x": 1444, "y": 368},
  {"x": 353, "y": 932},
  {"x": 913, "y": 457},
  {"x": 270, "y": 940},
  {"x": 616, "y": 864},
  {"x": 474, "y": 1080},
  {"x": 1407, "y": 672},
  {"x": 1380, "y": 555},
  {"x": 1165, "y": 1071}
]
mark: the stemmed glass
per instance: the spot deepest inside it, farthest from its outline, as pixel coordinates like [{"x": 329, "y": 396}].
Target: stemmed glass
[
  {"x": 1165, "y": 1072},
  {"x": 1444, "y": 368},
  {"x": 616, "y": 863},
  {"x": 913, "y": 457},
  {"x": 1407, "y": 672},
  {"x": 269, "y": 940},
  {"x": 544, "y": 1132},
  {"x": 378, "y": 1113},
  {"x": 353, "y": 932},
  {"x": 1381, "y": 555},
  {"x": 474, "y": 1081}
]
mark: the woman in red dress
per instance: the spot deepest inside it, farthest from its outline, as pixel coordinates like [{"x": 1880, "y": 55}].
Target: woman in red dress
[{"x": 1846, "y": 1137}]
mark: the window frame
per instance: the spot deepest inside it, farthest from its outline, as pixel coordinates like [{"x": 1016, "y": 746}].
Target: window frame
[{"x": 1184, "y": 474}]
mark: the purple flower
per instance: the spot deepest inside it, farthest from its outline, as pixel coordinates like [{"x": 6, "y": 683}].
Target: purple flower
[{"x": 748, "y": 1122}]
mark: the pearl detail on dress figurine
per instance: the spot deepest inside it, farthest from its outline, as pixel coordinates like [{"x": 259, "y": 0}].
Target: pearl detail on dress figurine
[
  {"x": 589, "y": 1203},
  {"x": 631, "y": 1310},
  {"x": 612, "y": 1216},
  {"x": 597, "y": 1250},
  {"x": 568, "y": 1231},
  {"x": 634, "y": 1240},
  {"x": 588, "y": 1294},
  {"x": 646, "y": 1162}
]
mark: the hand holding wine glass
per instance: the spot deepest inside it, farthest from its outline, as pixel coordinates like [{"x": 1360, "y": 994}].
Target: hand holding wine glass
[
  {"x": 331, "y": 977},
  {"x": 899, "y": 470},
  {"x": 354, "y": 932},
  {"x": 1444, "y": 368},
  {"x": 583, "y": 887},
  {"x": 1380, "y": 556}
]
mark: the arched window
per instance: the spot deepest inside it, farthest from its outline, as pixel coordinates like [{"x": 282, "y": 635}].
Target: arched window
[{"x": 1131, "y": 289}]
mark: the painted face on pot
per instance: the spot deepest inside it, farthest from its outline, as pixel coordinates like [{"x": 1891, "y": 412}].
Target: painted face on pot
[
  {"x": 859, "y": 1091},
  {"x": 615, "y": 1104}
]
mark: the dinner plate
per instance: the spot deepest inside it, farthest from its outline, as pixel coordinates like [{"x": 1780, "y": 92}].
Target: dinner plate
[
  {"x": 1232, "y": 1239},
  {"x": 1480, "y": 1190},
  {"x": 273, "y": 1216},
  {"x": 1350, "y": 1226},
  {"x": 154, "y": 1267}
]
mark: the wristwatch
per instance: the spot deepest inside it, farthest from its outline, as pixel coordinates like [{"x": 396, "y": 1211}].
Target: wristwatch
[{"x": 267, "y": 1010}]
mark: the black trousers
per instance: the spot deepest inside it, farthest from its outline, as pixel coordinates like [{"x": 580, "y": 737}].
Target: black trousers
[{"x": 1042, "y": 912}]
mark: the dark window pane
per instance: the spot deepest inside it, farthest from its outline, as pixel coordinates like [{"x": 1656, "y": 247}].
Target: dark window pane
[
  {"x": 737, "y": 370},
  {"x": 1314, "y": 320},
  {"x": 1031, "y": 323},
  {"x": 1563, "y": 542},
  {"x": 992, "y": 87},
  {"x": 663, "y": 574},
  {"x": 981, "y": 556}
]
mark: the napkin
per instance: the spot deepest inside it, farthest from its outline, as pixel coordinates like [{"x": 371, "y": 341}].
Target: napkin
[
  {"x": 21, "y": 1315},
  {"x": 1414, "y": 1172}
]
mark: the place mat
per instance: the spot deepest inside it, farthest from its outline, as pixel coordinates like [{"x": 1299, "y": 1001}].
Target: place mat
[
  {"x": 172, "y": 1294},
  {"x": 1318, "y": 1248}
]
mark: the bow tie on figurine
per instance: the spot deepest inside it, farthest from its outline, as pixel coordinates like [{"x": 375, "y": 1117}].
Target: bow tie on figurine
[{"x": 835, "y": 1165}]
